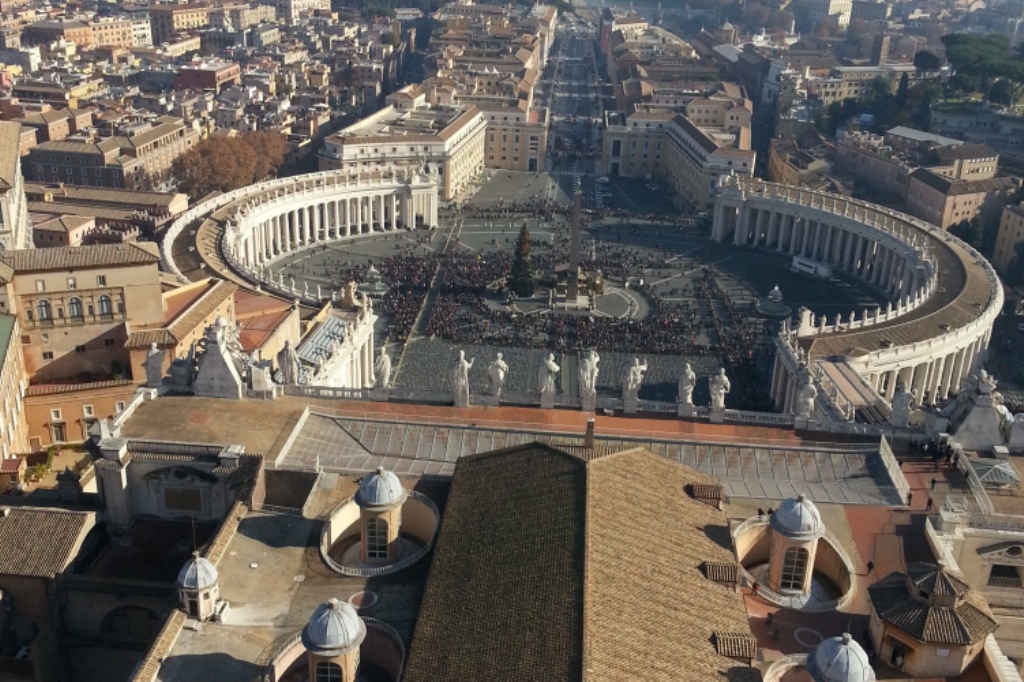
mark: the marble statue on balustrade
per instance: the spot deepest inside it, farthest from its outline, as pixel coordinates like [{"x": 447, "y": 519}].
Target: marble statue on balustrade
[
  {"x": 687, "y": 382},
  {"x": 720, "y": 386},
  {"x": 902, "y": 405},
  {"x": 460, "y": 379},
  {"x": 382, "y": 369},
  {"x": 288, "y": 363},
  {"x": 496, "y": 372},
  {"x": 154, "y": 365},
  {"x": 806, "y": 396},
  {"x": 546, "y": 374},
  {"x": 632, "y": 378},
  {"x": 588, "y": 372}
]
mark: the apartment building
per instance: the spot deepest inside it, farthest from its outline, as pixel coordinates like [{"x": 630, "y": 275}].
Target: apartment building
[
  {"x": 790, "y": 165},
  {"x": 142, "y": 32},
  {"x": 15, "y": 227},
  {"x": 1000, "y": 129},
  {"x": 449, "y": 139},
  {"x": 878, "y": 166},
  {"x": 1011, "y": 233},
  {"x": 297, "y": 11},
  {"x": 139, "y": 162},
  {"x": 58, "y": 93},
  {"x": 241, "y": 16},
  {"x": 166, "y": 20},
  {"x": 53, "y": 125},
  {"x": 810, "y": 12},
  {"x": 945, "y": 201},
  {"x": 51, "y": 30},
  {"x": 76, "y": 305},
  {"x": 113, "y": 32},
  {"x": 13, "y": 382},
  {"x": 212, "y": 75},
  {"x": 689, "y": 159},
  {"x": 854, "y": 82},
  {"x": 517, "y": 137},
  {"x": 870, "y": 10}
]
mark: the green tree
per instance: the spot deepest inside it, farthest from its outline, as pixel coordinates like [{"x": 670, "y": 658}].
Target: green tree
[
  {"x": 903, "y": 92},
  {"x": 971, "y": 231},
  {"x": 521, "y": 279},
  {"x": 988, "y": 59},
  {"x": 927, "y": 61}
]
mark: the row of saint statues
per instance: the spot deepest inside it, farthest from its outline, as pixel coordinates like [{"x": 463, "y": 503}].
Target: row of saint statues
[{"x": 547, "y": 374}]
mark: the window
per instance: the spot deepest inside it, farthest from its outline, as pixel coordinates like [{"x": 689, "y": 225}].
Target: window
[
  {"x": 327, "y": 671},
  {"x": 47, "y": 355},
  {"x": 794, "y": 568},
  {"x": 108, "y": 342},
  {"x": 87, "y": 410},
  {"x": 55, "y": 415},
  {"x": 1004, "y": 576},
  {"x": 75, "y": 308},
  {"x": 40, "y": 285},
  {"x": 119, "y": 406},
  {"x": 44, "y": 311},
  {"x": 106, "y": 308},
  {"x": 79, "y": 349},
  {"x": 376, "y": 538}
]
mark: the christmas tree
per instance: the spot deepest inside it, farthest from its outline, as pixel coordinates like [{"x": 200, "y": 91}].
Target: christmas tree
[{"x": 520, "y": 279}]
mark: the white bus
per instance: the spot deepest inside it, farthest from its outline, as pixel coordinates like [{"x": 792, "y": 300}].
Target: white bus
[{"x": 811, "y": 267}]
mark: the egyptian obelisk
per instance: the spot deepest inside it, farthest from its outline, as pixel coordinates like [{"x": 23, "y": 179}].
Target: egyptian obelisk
[{"x": 572, "y": 276}]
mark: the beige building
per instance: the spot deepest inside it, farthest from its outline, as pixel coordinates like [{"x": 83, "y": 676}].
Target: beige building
[
  {"x": 790, "y": 165},
  {"x": 450, "y": 140},
  {"x": 76, "y": 305},
  {"x": 113, "y": 32},
  {"x": 166, "y": 20},
  {"x": 854, "y": 82},
  {"x": 13, "y": 382},
  {"x": 140, "y": 162},
  {"x": 517, "y": 137},
  {"x": 945, "y": 201},
  {"x": 62, "y": 230},
  {"x": 1011, "y": 233},
  {"x": 689, "y": 159}
]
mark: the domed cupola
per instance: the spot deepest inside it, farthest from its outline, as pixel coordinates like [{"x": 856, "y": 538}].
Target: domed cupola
[
  {"x": 381, "y": 490},
  {"x": 798, "y": 519},
  {"x": 840, "y": 659},
  {"x": 334, "y": 629},
  {"x": 197, "y": 574},
  {"x": 198, "y": 589}
]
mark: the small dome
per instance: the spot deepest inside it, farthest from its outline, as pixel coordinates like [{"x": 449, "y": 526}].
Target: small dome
[
  {"x": 197, "y": 574},
  {"x": 334, "y": 629},
  {"x": 799, "y": 519},
  {"x": 381, "y": 489},
  {"x": 840, "y": 659}
]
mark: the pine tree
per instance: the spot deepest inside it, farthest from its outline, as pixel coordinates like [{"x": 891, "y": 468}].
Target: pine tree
[{"x": 520, "y": 279}]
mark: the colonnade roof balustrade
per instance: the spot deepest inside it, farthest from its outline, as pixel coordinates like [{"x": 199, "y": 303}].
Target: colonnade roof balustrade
[
  {"x": 208, "y": 236},
  {"x": 966, "y": 299}
]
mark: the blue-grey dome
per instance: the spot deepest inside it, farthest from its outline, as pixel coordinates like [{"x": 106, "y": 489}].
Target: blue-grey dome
[
  {"x": 381, "y": 490},
  {"x": 334, "y": 629},
  {"x": 799, "y": 519},
  {"x": 197, "y": 574},
  {"x": 840, "y": 659}
]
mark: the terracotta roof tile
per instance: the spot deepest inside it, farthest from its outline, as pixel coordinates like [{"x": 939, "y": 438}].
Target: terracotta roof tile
[
  {"x": 71, "y": 257},
  {"x": 578, "y": 566},
  {"x": 40, "y": 542}
]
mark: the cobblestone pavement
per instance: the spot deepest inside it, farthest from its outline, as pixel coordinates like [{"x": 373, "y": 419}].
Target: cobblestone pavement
[{"x": 847, "y": 474}]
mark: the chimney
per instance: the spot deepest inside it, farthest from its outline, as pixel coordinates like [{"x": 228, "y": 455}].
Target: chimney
[{"x": 588, "y": 440}]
